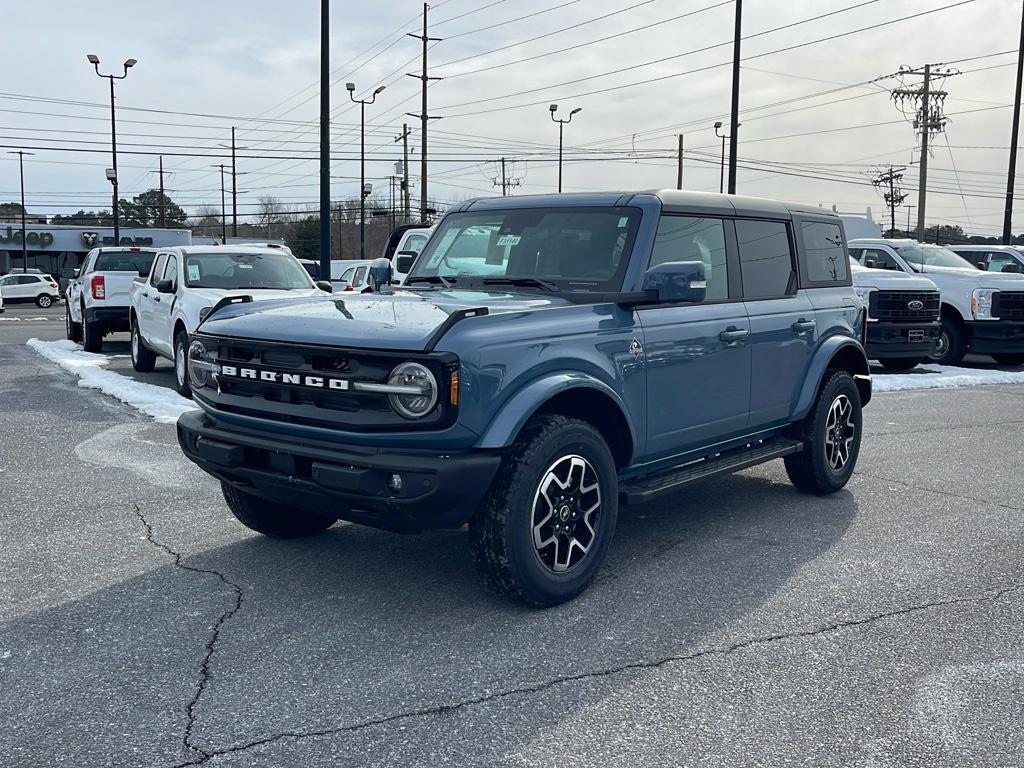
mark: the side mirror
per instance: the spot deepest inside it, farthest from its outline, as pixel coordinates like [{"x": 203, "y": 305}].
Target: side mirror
[
  {"x": 677, "y": 281},
  {"x": 164, "y": 286},
  {"x": 404, "y": 260},
  {"x": 379, "y": 275},
  {"x": 75, "y": 272},
  {"x": 323, "y": 285},
  {"x": 1015, "y": 268},
  {"x": 870, "y": 263}
]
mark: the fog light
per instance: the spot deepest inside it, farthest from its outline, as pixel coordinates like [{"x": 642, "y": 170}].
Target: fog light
[{"x": 395, "y": 482}]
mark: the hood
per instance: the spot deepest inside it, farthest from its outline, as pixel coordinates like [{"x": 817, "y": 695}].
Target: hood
[
  {"x": 403, "y": 320},
  {"x": 213, "y": 295},
  {"x": 975, "y": 276},
  {"x": 890, "y": 280}
]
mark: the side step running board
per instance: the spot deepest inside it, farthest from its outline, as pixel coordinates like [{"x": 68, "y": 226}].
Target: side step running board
[{"x": 647, "y": 488}]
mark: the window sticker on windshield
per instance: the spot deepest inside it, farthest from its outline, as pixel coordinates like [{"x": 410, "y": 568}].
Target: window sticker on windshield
[
  {"x": 508, "y": 240},
  {"x": 623, "y": 221},
  {"x": 243, "y": 265},
  {"x": 193, "y": 273}
]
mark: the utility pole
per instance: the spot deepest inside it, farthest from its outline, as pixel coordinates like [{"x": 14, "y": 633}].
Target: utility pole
[
  {"x": 223, "y": 207},
  {"x": 404, "y": 138},
  {"x": 679, "y": 169},
  {"x": 507, "y": 179},
  {"x": 325, "y": 140},
  {"x": 927, "y": 102},
  {"x": 21, "y": 174},
  {"x": 163, "y": 210},
  {"x": 734, "y": 123},
  {"x": 895, "y": 195},
  {"x": 1012, "y": 173},
  {"x": 234, "y": 187},
  {"x": 504, "y": 179},
  {"x": 424, "y": 117}
]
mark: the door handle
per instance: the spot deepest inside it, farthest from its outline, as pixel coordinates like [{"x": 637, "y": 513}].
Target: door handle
[
  {"x": 732, "y": 334},
  {"x": 156, "y": 298},
  {"x": 145, "y": 295},
  {"x": 803, "y": 326}
]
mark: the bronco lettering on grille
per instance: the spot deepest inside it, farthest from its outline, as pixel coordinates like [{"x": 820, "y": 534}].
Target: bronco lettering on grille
[{"x": 278, "y": 377}]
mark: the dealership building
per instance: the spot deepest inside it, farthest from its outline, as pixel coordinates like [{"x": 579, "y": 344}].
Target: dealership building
[{"x": 53, "y": 248}]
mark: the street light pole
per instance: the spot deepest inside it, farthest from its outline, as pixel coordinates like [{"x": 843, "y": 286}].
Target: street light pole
[
  {"x": 561, "y": 126},
  {"x": 223, "y": 207},
  {"x": 362, "y": 160},
  {"x": 128, "y": 64},
  {"x": 721, "y": 173},
  {"x": 21, "y": 174}
]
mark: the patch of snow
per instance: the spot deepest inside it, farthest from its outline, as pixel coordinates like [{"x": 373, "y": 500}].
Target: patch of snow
[
  {"x": 21, "y": 319},
  {"x": 942, "y": 377},
  {"x": 163, "y": 404}
]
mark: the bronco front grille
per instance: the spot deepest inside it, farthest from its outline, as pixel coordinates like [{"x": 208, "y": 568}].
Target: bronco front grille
[
  {"x": 902, "y": 306},
  {"x": 1008, "y": 305},
  {"x": 349, "y": 410}
]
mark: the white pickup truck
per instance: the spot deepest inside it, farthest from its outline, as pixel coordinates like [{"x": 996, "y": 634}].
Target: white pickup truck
[
  {"x": 186, "y": 283},
  {"x": 99, "y": 294},
  {"x": 981, "y": 312}
]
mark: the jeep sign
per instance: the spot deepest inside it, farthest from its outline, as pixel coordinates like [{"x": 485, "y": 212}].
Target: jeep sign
[{"x": 32, "y": 239}]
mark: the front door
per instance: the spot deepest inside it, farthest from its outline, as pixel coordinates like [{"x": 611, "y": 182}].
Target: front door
[
  {"x": 147, "y": 303},
  {"x": 697, "y": 355}
]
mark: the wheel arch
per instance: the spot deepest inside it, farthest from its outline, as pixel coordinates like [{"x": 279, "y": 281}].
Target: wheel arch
[
  {"x": 575, "y": 395},
  {"x": 950, "y": 311},
  {"x": 836, "y": 353}
]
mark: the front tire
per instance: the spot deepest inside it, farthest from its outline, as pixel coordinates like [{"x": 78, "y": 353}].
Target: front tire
[
  {"x": 143, "y": 360},
  {"x": 831, "y": 438},
  {"x": 44, "y": 300},
  {"x": 181, "y": 384},
  {"x": 72, "y": 329},
  {"x": 1007, "y": 358},
  {"x": 544, "y": 529},
  {"x": 951, "y": 348},
  {"x": 270, "y": 519},
  {"x": 900, "y": 364}
]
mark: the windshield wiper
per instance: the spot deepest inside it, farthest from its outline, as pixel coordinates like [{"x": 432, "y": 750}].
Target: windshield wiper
[
  {"x": 526, "y": 282},
  {"x": 446, "y": 282}
]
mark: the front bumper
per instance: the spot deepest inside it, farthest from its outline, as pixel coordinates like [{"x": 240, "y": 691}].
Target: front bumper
[
  {"x": 995, "y": 336},
  {"x": 439, "y": 490},
  {"x": 113, "y": 318},
  {"x": 887, "y": 340}
]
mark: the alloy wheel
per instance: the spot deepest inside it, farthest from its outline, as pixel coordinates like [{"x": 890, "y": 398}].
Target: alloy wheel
[
  {"x": 943, "y": 347},
  {"x": 839, "y": 433},
  {"x": 566, "y": 508},
  {"x": 135, "y": 345},
  {"x": 45, "y": 301},
  {"x": 179, "y": 363}
]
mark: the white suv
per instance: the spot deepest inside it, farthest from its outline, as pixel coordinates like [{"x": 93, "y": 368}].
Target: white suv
[{"x": 42, "y": 289}]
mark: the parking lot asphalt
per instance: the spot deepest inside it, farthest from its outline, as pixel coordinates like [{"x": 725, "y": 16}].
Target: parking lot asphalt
[{"x": 736, "y": 623}]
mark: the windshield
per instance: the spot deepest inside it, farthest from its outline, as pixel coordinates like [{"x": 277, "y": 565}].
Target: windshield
[
  {"x": 227, "y": 270},
  {"x": 570, "y": 248},
  {"x": 932, "y": 256},
  {"x": 125, "y": 261}
]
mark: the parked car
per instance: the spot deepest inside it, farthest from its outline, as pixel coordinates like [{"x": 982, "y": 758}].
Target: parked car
[
  {"x": 410, "y": 244},
  {"x": 602, "y": 347},
  {"x": 903, "y": 326},
  {"x": 187, "y": 282},
  {"x": 99, "y": 296},
  {"x": 991, "y": 258},
  {"x": 981, "y": 312},
  {"x": 29, "y": 287},
  {"x": 350, "y": 275}
]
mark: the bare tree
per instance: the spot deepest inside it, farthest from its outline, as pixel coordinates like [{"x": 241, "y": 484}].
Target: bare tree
[{"x": 270, "y": 212}]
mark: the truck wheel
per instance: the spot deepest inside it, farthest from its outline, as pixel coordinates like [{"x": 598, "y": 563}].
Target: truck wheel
[
  {"x": 272, "y": 519},
  {"x": 44, "y": 300},
  {"x": 900, "y": 363},
  {"x": 544, "y": 529},
  {"x": 92, "y": 335},
  {"x": 1008, "y": 358},
  {"x": 831, "y": 437},
  {"x": 143, "y": 360},
  {"x": 181, "y": 365},
  {"x": 951, "y": 349},
  {"x": 73, "y": 329}
]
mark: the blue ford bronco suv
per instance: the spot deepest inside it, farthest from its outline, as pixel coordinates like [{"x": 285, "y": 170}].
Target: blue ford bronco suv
[{"x": 547, "y": 359}]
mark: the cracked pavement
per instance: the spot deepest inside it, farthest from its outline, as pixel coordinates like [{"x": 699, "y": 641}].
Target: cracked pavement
[{"x": 735, "y": 623}]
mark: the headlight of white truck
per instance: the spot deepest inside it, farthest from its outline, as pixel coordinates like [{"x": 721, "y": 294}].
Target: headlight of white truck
[
  {"x": 981, "y": 303},
  {"x": 201, "y": 365},
  {"x": 864, "y": 294}
]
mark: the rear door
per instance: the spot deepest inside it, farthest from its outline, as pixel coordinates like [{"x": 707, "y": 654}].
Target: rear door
[
  {"x": 698, "y": 381},
  {"x": 163, "y": 305},
  {"x": 782, "y": 322}
]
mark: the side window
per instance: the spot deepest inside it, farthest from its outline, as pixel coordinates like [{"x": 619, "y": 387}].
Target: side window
[
  {"x": 157, "y": 270},
  {"x": 997, "y": 260},
  {"x": 826, "y": 258},
  {"x": 875, "y": 258},
  {"x": 766, "y": 259},
  {"x": 360, "y": 274},
  {"x": 688, "y": 238},
  {"x": 346, "y": 276},
  {"x": 171, "y": 270},
  {"x": 27, "y": 279},
  {"x": 977, "y": 258}
]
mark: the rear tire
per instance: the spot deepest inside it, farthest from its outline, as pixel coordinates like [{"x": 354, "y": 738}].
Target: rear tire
[
  {"x": 901, "y": 363},
  {"x": 181, "y": 384},
  {"x": 44, "y": 300},
  {"x": 951, "y": 349},
  {"x": 831, "y": 437},
  {"x": 1008, "y": 358},
  {"x": 143, "y": 360},
  {"x": 544, "y": 528},
  {"x": 92, "y": 335},
  {"x": 270, "y": 519},
  {"x": 73, "y": 330}
]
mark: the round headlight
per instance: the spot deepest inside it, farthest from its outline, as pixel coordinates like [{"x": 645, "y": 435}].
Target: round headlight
[
  {"x": 200, "y": 364},
  {"x": 421, "y": 401}
]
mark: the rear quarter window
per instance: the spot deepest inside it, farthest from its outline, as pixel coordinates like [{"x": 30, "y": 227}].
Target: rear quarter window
[{"x": 825, "y": 259}]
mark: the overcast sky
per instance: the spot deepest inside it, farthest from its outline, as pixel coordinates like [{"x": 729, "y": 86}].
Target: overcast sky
[{"x": 255, "y": 65}]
